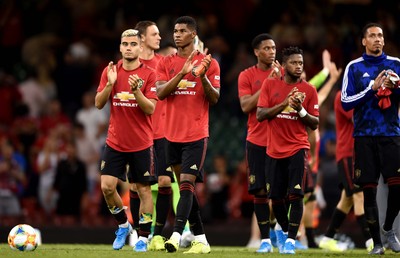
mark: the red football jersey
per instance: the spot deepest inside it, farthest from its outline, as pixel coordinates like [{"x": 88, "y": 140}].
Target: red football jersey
[
  {"x": 344, "y": 130},
  {"x": 130, "y": 129},
  {"x": 287, "y": 133},
  {"x": 159, "y": 114},
  {"x": 249, "y": 82},
  {"x": 187, "y": 107},
  {"x": 152, "y": 63}
]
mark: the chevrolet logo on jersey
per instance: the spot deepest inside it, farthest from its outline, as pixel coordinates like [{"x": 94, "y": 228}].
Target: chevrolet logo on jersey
[
  {"x": 288, "y": 113},
  {"x": 288, "y": 109},
  {"x": 184, "y": 84},
  {"x": 124, "y": 96}
]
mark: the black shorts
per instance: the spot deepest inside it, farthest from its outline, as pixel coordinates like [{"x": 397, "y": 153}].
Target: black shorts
[
  {"x": 162, "y": 168},
  {"x": 256, "y": 167},
  {"x": 310, "y": 180},
  {"x": 345, "y": 173},
  {"x": 136, "y": 167},
  {"x": 287, "y": 175},
  {"x": 375, "y": 156},
  {"x": 190, "y": 155}
]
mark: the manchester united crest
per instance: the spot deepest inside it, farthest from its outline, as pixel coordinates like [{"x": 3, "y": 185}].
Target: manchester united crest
[
  {"x": 252, "y": 179},
  {"x": 357, "y": 173}
]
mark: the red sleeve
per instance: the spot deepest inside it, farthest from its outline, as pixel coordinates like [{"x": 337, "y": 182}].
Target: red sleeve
[
  {"x": 312, "y": 105},
  {"x": 150, "y": 91},
  {"x": 244, "y": 85},
  {"x": 213, "y": 74},
  {"x": 103, "y": 80}
]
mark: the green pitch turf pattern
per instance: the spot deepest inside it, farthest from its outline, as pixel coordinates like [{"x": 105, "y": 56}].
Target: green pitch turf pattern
[{"x": 105, "y": 251}]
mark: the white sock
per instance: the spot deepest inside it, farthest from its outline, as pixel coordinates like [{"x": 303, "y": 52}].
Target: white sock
[
  {"x": 144, "y": 239},
  {"x": 201, "y": 238},
  {"x": 278, "y": 227},
  {"x": 266, "y": 240},
  {"x": 124, "y": 225},
  {"x": 290, "y": 240},
  {"x": 176, "y": 235}
]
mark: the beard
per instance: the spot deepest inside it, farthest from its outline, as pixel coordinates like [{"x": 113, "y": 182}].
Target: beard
[
  {"x": 376, "y": 51},
  {"x": 293, "y": 76},
  {"x": 130, "y": 59}
]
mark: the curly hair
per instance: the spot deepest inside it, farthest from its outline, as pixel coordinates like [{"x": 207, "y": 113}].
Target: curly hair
[{"x": 286, "y": 52}]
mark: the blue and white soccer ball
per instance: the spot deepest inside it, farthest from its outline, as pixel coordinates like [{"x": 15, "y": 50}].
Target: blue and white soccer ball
[{"x": 23, "y": 237}]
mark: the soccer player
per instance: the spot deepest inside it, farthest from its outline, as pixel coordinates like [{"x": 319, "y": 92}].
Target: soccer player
[
  {"x": 150, "y": 41},
  {"x": 163, "y": 190},
  {"x": 374, "y": 98},
  {"x": 249, "y": 85},
  {"x": 189, "y": 81},
  {"x": 349, "y": 196},
  {"x": 290, "y": 104},
  {"x": 128, "y": 154}
]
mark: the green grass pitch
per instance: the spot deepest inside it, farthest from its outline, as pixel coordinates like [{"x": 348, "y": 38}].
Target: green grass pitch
[{"x": 105, "y": 251}]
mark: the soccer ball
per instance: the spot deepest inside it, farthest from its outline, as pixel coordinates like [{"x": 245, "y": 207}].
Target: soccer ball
[{"x": 22, "y": 237}]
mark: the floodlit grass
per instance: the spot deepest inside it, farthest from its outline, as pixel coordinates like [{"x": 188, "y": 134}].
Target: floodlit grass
[{"x": 100, "y": 251}]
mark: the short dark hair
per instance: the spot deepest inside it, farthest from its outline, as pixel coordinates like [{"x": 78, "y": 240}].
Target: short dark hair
[
  {"x": 259, "y": 38},
  {"x": 188, "y": 20},
  {"x": 367, "y": 26},
  {"x": 142, "y": 26},
  {"x": 166, "y": 43},
  {"x": 286, "y": 52}
]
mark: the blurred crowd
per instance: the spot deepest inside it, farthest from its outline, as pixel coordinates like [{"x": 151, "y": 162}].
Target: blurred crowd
[{"x": 52, "y": 54}]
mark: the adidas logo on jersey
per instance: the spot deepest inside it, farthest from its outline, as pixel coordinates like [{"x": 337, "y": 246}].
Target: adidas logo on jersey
[{"x": 194, "y": 167}]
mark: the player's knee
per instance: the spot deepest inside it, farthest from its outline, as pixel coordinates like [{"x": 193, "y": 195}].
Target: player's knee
[
  {"x": 107, "y": 189},
  {"x": 133, "y": 187},
  {"x": 358, "y": 198},
  {"x": 345, "y": 204},
  {"x": 164, "y": 181}
]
